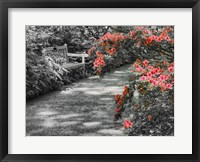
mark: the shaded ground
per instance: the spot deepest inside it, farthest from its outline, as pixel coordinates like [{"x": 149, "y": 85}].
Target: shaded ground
[{"x": 84, "y": 108}]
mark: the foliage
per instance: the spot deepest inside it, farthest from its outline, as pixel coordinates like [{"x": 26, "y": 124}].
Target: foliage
[
  {"x": 42, "y": 75},
  {"x": 78, "y": 38}
]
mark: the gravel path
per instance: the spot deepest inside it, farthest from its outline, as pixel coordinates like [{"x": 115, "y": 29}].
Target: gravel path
[{"x": 84, "y": 108}]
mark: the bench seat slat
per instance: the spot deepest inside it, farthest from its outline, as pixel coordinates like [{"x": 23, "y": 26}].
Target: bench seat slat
[{"x": 72, "y": 65}]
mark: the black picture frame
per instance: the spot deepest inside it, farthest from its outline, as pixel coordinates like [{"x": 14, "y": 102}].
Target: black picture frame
[{"x": 6, "y": 4}]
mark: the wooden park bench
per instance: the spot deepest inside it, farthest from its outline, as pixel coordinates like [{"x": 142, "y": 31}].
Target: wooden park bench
[{"x": 69, "y": 65}]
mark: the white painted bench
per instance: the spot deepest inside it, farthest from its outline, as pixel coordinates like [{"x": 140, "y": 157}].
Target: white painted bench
[{"x": 69, "y": 65}]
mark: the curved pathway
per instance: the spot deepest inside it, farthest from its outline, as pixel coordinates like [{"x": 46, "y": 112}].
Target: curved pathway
[{"x": 84, "y": 108}]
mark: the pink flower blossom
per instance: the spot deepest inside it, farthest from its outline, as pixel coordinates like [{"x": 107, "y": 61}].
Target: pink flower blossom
[
  {"x": 167, "y": 38},
  {"x": 171, "y": 69},
  {"x": 155, "y": 82},
  {"x": 163, "y": 77},
  {"x": 127, "y": 124},
  {"x": 168, "y": 86},
  {"x": 149, "y": 74},
  {"x": 155, "y": 71},
  {"x": 139, "y": 69},
  {"x": 145, "y": 62},
  {"x": 143, "y": 78},
  {"x": 150, "y": 67},
  {"x": 132, "y": 33}
]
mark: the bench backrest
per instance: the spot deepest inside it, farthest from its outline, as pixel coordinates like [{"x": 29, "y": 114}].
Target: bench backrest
[
  {"x": 64, "y": 50},
  {"x": 61, "y": 49}
]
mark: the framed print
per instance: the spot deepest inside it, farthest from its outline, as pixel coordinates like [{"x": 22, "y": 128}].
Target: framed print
[{"x": 99, "y": 81}]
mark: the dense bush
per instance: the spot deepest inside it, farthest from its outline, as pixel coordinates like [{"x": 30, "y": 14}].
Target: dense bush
[
  {"x": 111, "y": 51},
  {"x": 138, "y": 43},
  {"x": 42, "y": 75},
  {"x": 147, "y": 101}
]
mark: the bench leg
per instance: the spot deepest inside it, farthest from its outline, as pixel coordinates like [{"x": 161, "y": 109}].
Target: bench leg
[{"x": 84, "y": 71}]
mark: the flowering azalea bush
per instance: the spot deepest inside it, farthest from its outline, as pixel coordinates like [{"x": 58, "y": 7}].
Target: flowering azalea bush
[
  {"x": 140, "y": 42},
  {"x": 146, "y": 102},
  {"x": 99, "y": 62},
  {"x": 148, "y": 98},
  {"x": 110, "y": 51}
]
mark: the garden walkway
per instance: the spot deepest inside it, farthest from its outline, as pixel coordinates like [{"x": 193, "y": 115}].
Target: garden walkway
[{"x": 84, "y": 108}]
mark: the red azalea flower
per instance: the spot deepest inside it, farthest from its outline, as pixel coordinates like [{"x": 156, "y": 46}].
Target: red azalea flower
[
  {"x": 127, "y": 124},
  {"x": 149, "y": 117},
  {"x": 113, "y": 50},
  {"x": 149, "y": 74},
  {"x": 171, "y": 69},
  {"x": 117, "y": 97},
  {"x": 132, "y": 33},
  {"x": 168, "y": 86},
  {"x": 99, "y": 62},
  {"x": 125, "y": 92},
  {"x": 146, "y": 63},
  {"x": 120, "y": 102},
  {"x": 165, "y": 62},
  {"x": 138, "y": 44},
  {"x": 172, "y": 64},
  {"x": 117, "y": 110},
  {"x": 149, "y": 40},
  {"x": 163, "y": 77},
  {"x": 160, "y": 39},
  {"x": 167, "y": 38},
  {"x": 98, "y": 53},
  {"x": 163, "y": 88},
  {"x": 143, "y": 78}
]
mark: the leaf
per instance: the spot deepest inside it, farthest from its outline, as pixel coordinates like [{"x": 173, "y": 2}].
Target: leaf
[{"x": 57, "y": 75}]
